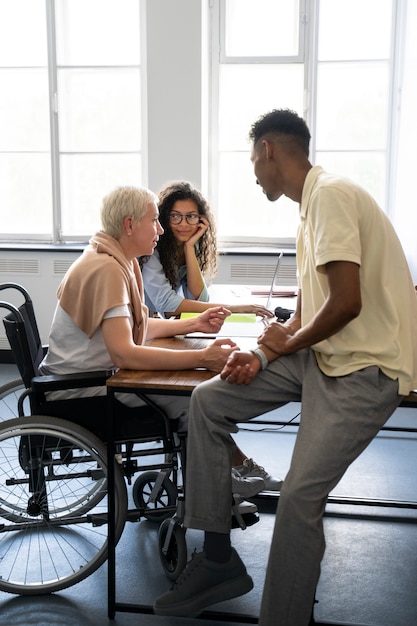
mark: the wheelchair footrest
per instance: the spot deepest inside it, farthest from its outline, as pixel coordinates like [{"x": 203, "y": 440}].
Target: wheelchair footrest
[{"x": 248, "y": 519}]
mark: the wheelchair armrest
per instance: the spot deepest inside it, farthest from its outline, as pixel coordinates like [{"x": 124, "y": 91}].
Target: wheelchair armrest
[{"x": 55, "y": 382}]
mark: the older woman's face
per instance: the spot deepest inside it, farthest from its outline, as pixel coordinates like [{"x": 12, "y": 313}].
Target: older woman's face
[{"x": 146, "y": 231}]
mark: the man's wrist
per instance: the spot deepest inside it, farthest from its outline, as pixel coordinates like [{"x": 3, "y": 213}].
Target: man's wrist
[{"x": 261, "y": 356}]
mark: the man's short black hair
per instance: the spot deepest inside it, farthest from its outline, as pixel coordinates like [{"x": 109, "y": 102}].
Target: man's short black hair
[{"x": 282, "y": 122}]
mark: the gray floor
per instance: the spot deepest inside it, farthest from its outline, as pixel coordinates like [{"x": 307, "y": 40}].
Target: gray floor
[{"x": 369, "y": 571}]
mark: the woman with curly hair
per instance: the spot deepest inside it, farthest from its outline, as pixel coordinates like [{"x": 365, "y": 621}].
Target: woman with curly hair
[
  {"x": 173, "y": 279},
  {"x": 174, "y": 276}
]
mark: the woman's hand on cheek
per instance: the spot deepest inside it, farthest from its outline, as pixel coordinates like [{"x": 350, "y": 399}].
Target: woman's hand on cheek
[{"x": 200, "y": 230}]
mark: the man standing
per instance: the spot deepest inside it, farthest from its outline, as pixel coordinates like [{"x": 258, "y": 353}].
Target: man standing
[{"x": 348, "y": 354}]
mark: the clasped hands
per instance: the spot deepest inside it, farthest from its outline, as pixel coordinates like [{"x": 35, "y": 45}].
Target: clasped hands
[{"x": 242, "y": 367}]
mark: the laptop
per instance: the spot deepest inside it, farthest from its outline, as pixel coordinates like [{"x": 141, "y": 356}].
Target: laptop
[
  {"x": 281, "y": 313},
  {"x": 271, "y": 294},
  {"x": 253, "y": 328}
]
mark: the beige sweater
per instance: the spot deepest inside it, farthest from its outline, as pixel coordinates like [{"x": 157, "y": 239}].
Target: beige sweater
[{"x": 100, "y": 279}]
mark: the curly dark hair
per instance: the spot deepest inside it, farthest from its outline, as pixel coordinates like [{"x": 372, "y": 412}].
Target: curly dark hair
[
  {"x": 282, "y": 122},
  {"x": 167, "y": 244}
]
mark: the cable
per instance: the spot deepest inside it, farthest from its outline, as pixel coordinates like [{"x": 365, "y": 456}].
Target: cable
[{"x": 269, "y": 428}]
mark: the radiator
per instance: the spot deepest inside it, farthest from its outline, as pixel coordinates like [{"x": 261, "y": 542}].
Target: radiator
[{"x": 40, "y": 273}]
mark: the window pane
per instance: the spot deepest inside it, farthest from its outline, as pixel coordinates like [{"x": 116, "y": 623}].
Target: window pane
[
  {"x": 354, "y": 29},
  {"x": 100, "y": 110},
  {"x": 261, "y": 27},
  {"x": 23, "y": 40},
  {"x": 86, "y": 179},
  {"x": 98, "y": 32},
  {"x": 352, "y": 106},
  {"x": 25, "y": 189},
  {"x": 365, "y": 168},
  {"x": 248, "y": 91},
  {"x": 243, "y": 209},
  {"x": 24, "y": 114}
]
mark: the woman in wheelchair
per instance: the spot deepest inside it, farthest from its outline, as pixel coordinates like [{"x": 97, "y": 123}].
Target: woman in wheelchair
[{"x": 102, "y": 323}]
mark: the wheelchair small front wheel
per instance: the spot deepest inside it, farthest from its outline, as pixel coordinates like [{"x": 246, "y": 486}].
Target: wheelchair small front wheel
[
  {"x": 174, "y": 556},
  {"x": 154, "y": 504}
]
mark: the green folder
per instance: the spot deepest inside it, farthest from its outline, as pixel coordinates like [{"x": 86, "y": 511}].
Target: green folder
[{"x": 234, "y": 317}]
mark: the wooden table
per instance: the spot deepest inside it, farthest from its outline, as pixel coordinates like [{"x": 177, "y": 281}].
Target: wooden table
[{"x": 173, "y": 382}]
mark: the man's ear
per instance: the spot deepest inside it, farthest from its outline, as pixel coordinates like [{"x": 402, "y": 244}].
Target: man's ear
[{"x": 268, "y": 147}]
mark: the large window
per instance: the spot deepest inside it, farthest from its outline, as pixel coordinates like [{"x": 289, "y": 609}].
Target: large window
[
  {"x": 97, "y": 93},
  {"x": 339, "y": 64},
  {"x": 70, "y": 117}
]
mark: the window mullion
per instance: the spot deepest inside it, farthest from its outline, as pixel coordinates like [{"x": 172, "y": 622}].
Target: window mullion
[
  {"x": 216, "y": 44},
  {"x": 53, "y": 116},
  {"x": 311, "y": 25},
  {"x": 394, "y": 106}
]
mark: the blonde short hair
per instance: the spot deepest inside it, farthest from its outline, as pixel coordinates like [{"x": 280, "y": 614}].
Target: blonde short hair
[{"x": 124, "y": 202}]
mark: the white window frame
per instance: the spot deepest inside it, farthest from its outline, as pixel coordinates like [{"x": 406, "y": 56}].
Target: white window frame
[
  {"x": 308, "y": 55},
  {"x": 56, "y": 235}
]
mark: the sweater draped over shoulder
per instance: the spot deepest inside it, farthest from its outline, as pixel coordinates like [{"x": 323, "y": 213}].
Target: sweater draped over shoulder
[{"x": 100, "y": 279}]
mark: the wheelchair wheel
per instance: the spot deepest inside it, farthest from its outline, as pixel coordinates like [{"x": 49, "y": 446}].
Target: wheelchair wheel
[
  {"x": 9, "y": 397},
  {"x": 174, "y": 557},
  {"x": 49, "y": 466},
  {"x": 154, "y": 508}
]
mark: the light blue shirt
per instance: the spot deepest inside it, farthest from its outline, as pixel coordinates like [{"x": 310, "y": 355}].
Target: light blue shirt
[{"x": 159, "y": 294}]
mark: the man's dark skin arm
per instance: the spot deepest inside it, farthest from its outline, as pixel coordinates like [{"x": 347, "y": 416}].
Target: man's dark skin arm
[{"x": 343, "y": 304}]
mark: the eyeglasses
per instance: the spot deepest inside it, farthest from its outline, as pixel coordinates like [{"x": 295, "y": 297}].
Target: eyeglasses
[{"x": 191, "y": 218}]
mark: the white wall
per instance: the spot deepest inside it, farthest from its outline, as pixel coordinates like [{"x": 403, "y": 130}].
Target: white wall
[
  {"x": 174, "y": 98},
  {"x": 39, "y": 273}
]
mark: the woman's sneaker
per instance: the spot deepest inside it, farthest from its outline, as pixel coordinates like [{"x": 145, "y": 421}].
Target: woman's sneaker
[
  {"x": 244, "y": 513},
  {"x": 246, "y": 486},
  {"x": 250, "y": 469},
  {"x": 243, "y": 507},
  {"x": 204, "y": 583}
]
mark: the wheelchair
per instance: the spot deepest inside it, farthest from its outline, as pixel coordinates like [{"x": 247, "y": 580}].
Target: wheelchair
[{"x": 54, "y": 469}]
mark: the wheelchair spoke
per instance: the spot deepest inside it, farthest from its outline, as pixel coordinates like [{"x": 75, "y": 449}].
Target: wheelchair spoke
[{"x": 53, "y": 505}]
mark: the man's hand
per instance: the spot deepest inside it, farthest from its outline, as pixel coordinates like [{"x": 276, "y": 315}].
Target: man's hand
[
  {"x": 241, "y": 368},
  {"x": 276, "y": 337}
]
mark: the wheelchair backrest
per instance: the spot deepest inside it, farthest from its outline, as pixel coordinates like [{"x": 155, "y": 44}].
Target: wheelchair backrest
[{"x": 23, "y": 335}]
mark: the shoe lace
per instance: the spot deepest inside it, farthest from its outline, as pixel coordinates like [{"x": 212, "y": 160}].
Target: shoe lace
[
  {"x": 252, "y": 465},
  {"x": 194, "y": 562}
]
